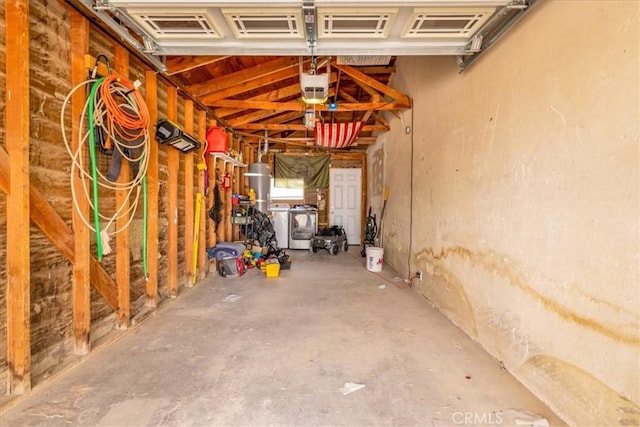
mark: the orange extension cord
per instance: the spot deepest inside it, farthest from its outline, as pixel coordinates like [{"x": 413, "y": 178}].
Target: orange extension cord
[{"x": 131, "y": 123}]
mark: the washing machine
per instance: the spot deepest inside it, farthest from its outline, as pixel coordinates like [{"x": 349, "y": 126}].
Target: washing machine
[
  {"x": 303, "y": 224},
  {"x": 280, "y": 219}
]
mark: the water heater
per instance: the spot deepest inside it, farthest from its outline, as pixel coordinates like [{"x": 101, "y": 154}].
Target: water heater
[{"x": 260, "y": 180}]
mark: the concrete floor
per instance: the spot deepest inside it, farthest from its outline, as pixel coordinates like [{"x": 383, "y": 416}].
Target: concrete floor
[{"x": 280, "y": 355}]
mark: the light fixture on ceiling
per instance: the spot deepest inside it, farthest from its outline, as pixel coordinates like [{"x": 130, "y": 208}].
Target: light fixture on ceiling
[{"x": 309, "y": 118}]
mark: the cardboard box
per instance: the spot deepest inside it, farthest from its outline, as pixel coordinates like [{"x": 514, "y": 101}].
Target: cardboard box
[{"x": 259, "y": 249}]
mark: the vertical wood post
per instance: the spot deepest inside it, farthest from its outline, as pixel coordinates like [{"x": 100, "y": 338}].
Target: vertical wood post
[
  {"x": 213, "y": 176},
  {"x": 202, "y": 254},
  {"x": 151, "y": 94},
  {"x": 123, "y": 267},
  {"x": 244, "y": 188},
  {"x": 173, "y": 166},
  {"x": 211, "y": 170},
  {"x": 228, "y": 226},
  {"x": 189, "y": 199},
  {"x": 18, "y": 232},
  {"x": 82, "y": 249},
  {"x": 237, "y": 175}
]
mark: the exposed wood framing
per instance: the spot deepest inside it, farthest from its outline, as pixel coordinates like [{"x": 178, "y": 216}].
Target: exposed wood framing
[
  {"x": 275, "y": 95},
  {"x": 255, "y": 82},
  {"x": 369, "y": 81},
  {"x": 246, "y": 76},
  {"x": 189, "y": 198},
  {"x": 123, "y": 268},
  {"x": 151, "y": 287},
  {"x": 82, "y": 249},
  {"x": 180, "y": 64},
  {"x": 300, "y": 106},
  {"x": 18, "y": 233},
  {"x": 226, "y": 197},
  {"x": 5, "y": 171},
  {"x": 344, "y": 95},
  {"x": 173, "y": 165},
  {"x": 277, "y": 126},
  {"x": 202, "y": 241},
  {"x": 212, "y": 164},
  {"x": 237, "y": 176},
  {"x": 45, "y": 217}
]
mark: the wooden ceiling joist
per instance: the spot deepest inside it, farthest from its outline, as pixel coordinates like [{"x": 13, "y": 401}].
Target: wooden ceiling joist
[
  {"x": 251, "y": 85},
  {"x": 247, "y": 75},
  {"x": 370, "y": 81},
  {"x": 344, "y": 95},
  {"x": 275, "y": 95},
  {"x": 263, "y": 93},
  {"x": 300, "y": 106},
  {"x": 180, "y": 64},
  {"x": 296, "y": 127}
]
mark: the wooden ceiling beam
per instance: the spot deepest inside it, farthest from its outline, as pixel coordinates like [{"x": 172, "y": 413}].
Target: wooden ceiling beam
[
  {"x": 377, "y": 69},
  {"x": 217, "y": 86},
  {"x": 277, "y": 118},
  {"x": 296, "y": 127},
  {"x": 375, "y": 115},
  {"x": 375, "y": 95},
  {"x": 300, "y": 106},
  {"x": 252, "y": 117},
  {"x": 254, "y": 84},
  {"x": 366, "y": 116},
  {"x": 274, "y": 95},
  {"x": 258, "y": 115},
  {"x": 307, "y": 141},
  {"x": 370, "y": 81},
  {"x": 180, "y": 64},
  {"x": 287, "y": 117}
]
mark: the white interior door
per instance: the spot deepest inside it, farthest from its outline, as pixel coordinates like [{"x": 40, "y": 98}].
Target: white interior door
[{"x": 345, "y": 200}]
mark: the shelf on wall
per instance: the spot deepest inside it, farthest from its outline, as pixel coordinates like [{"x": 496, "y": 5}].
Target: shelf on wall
[{"x": 228, "y": 159}]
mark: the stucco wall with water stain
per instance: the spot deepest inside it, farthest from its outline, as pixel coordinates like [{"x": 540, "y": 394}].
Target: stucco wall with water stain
[{"x": 525, "y": 207}]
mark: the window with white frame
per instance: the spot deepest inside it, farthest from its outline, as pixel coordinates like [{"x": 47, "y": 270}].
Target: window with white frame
[{"x": 294, "y": 190}]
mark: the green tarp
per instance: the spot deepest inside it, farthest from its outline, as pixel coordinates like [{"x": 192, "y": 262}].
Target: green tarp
[{"x": 314, "y": 170}]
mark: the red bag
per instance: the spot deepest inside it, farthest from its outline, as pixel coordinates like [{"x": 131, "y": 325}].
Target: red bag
[{"x": 231, "y": 267}]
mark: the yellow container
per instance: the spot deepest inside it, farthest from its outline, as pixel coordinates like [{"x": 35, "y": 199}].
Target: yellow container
[{"x": 272, "y": 268}]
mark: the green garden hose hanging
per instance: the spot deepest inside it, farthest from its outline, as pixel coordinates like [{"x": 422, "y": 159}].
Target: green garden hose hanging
[{"x": 117, "y": 121}]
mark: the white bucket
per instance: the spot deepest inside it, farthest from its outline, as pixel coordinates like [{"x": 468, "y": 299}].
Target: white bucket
[{"x": 374, "y": 258}]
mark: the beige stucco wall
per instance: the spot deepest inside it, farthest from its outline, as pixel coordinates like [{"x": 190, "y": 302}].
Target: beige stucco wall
[{"x": 525, "y": 209}]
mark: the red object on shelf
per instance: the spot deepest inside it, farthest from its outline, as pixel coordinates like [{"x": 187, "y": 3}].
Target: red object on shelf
[{"x": 217, "y": 140}]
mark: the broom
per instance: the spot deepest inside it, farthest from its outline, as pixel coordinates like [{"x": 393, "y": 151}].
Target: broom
[{"x": 384, "y": 205}]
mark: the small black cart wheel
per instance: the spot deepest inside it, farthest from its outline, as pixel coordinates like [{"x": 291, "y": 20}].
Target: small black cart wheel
[
  {"x": 363, "y": 253},
  {"x": 345, "y": 246},
  {"x": 313, "y": 249},
  {"x": 333, "y": 250}
]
